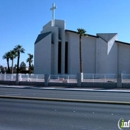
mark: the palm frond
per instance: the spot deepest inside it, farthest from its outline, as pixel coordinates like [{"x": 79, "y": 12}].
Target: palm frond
[
  {"x": 7, "y": 55},
  {"x": 81, "y": 31}
]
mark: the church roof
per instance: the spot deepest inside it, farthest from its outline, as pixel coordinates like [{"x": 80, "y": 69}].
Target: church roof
[
  {"x": 125, "y": 43},
  {"x": 41, "y": 36},
  {"x": 77, "y": 33},
  {"x": 106, "y": 36}
]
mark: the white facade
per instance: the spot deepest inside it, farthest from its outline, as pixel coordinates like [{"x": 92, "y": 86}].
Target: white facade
[{"x": 57, "y": 52}]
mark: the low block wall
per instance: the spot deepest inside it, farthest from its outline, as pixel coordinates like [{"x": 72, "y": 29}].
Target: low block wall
[
  {"x": 83, "y": 85},
  {"x": 8, "y": 82},
  {"x": 31, "y": 83},
  {"x": 101, "y": 85},
  {"x": 63, "y": 84},
  {"x": 125, "y": 85}
]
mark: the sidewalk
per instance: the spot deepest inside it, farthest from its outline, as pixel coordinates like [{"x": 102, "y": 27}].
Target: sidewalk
[{"x": 69, "y": 88}]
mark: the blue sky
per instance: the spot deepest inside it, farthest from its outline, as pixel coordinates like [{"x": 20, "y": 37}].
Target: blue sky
[{"x": 22, "y": 20}]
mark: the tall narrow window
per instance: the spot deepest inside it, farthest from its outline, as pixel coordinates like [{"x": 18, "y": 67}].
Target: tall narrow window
[
  {"x": 66, "y": 57},
  {"x": 59, "y": 57}
]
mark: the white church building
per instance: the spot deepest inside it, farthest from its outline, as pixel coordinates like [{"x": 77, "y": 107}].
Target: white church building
[{"x": 56, "y": 51}]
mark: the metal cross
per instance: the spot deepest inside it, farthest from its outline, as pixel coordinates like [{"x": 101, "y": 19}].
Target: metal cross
[{"x": 53, "y": 14}]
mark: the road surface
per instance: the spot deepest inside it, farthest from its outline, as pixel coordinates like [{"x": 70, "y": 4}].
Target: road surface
[
  {"x": 43, "y": 115},
  {"x": 80, "y": 95}
]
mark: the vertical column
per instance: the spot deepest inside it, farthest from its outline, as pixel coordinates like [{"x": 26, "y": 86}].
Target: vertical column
[
  {"x": 59, "y": 57},
  {"x": 97, "y": 56},
  {"x": 66, "y": 57},
  {"x": 47, "y": 78},
  {"x": 118, "y": 68},
  {"x": 62, "y": 36},
  {"x": 55, "y": 36},
  {"x": 59, "y": 36},
  {"x": 63, "y": 52},
  {"x": 119, "y": 75},
  {"x": 119, "y": 80}
]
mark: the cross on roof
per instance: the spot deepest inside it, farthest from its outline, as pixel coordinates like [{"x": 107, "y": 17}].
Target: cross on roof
[{"x": 53, "y": 14}]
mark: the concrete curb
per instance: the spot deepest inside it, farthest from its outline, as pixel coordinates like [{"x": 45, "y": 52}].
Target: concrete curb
[
  {"x": 66, "y": 100},
  {"x": 68, "y": 89},
  {"x": 87, "y": 89}
]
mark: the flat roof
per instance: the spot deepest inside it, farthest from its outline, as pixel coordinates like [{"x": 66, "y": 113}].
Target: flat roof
[
  {"x": 125, "y": 43},
  {"x": 77, "y": 33}
]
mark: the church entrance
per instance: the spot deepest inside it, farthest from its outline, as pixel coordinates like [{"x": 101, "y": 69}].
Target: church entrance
[
  {"x": 66, "y": 57},
  {"x": 59, "y": 58}
]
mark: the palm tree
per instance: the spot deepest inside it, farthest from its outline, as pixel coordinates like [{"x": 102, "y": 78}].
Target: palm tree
[
  {"x": 22, "y": 67},
  {"x": 7, "y": 57},
  {"x": 12, "y": 57},
  {"x": 30, "y": 60},
  {"x": 81, "y": 33},
  {"x": 18, "y": 49}
]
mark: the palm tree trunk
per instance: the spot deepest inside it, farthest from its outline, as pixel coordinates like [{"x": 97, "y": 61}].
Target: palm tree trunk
[
  {"x": 17, "y": 75},
  {"x": 29, "y": 67},
  {"x": 80, "y": 54},
  {"x": 12, "y": 66},
  {"x": 18, "y": 63},
  {"x": 8, "y": 65}
]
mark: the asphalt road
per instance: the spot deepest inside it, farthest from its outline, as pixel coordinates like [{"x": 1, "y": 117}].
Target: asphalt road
[
  {"x": 43, "y": 115},
  {"x": 83, "y": 95}
]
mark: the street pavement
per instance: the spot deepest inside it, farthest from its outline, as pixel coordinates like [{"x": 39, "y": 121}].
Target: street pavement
[
  {"x": 43, "y": 115},
  {"x": 62, "y": 93},
  {"x": 73, "y": 114}
]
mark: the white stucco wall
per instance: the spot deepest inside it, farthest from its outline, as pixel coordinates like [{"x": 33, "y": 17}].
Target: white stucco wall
[
  {"x": 73, "y": 53},
  {"x": 61, "y": 26},
  {"x": 54, "y": 39},
  {"x": 106, "y": 54},
  {"x": 112, "y": 57},
  {"x": 46, "y": 27},
  {"x": 101, "y": 56},
  {"x": 124, "y": 58},
  {"x": 88, "y": 53},
  {"x": 42, "y": 56},
  {"x": 58, "y": 34},
  {"x": 61, "y": 35}
]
